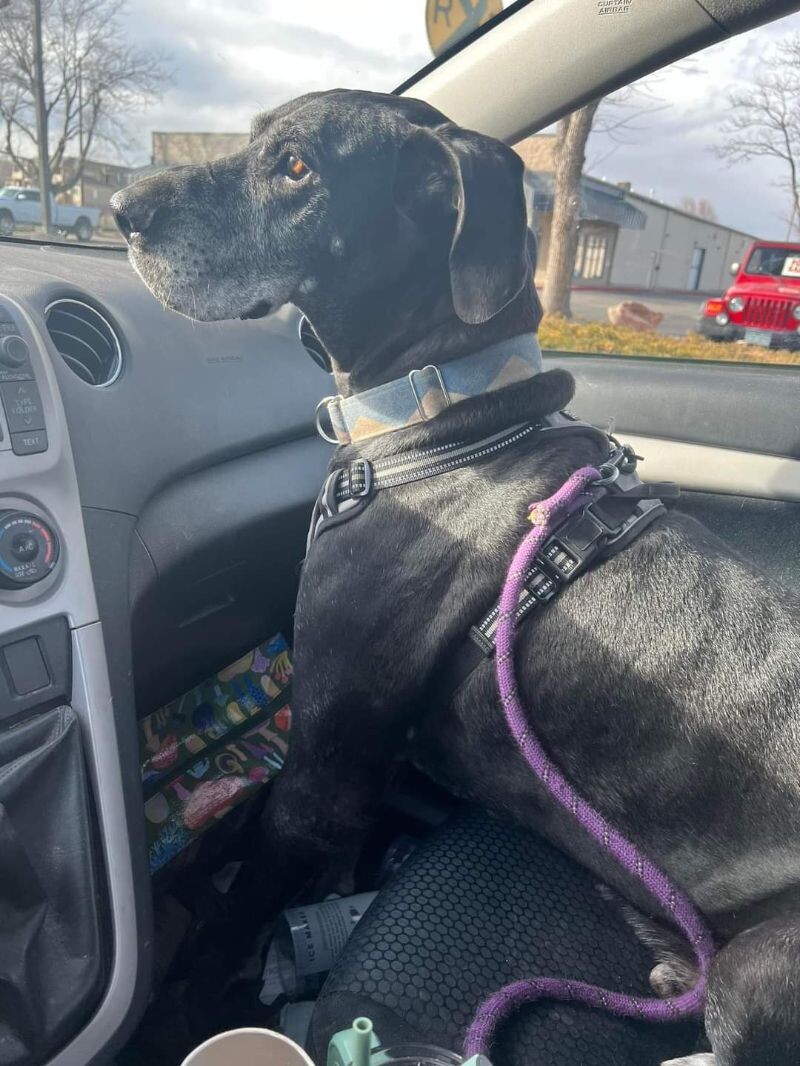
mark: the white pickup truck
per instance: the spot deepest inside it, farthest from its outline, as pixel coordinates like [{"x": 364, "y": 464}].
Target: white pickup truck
[{"x": 21, "y": 205}]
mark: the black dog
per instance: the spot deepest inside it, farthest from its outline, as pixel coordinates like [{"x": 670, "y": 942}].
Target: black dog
[{"x": 666, "y": 681}]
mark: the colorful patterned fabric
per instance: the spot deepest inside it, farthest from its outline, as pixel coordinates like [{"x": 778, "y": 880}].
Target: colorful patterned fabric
[
  {"x": 214, "y": 746},
  {"x": 425, "y": 393}
]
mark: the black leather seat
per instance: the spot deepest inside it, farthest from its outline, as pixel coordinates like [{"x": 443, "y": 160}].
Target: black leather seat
[{"x": 480, "y": 904}]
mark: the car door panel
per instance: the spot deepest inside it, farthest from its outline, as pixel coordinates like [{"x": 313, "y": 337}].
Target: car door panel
[
  {"x": 728, "y": 434},
  {"x": 727, "y": 405}
]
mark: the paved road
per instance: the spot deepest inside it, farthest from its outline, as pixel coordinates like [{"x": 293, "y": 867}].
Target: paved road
[{"x": 680, "y": 312}]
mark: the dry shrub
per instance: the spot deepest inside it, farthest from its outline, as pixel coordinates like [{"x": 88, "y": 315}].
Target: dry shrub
[{"x": 560, "y": 334}]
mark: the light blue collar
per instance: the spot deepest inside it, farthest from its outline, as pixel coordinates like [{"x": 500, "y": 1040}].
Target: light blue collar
[{"x": 423, "y": 394}]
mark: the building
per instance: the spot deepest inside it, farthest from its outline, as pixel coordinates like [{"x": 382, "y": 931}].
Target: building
[
  {"x": 94, "y": 188},
  {"x": 627, "y": 240},
  {"x": 168, "y": 149},
  {"x": 176, "y": 148}
]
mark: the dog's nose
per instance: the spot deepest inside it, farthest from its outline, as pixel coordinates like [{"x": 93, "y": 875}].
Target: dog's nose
[{"x": 133, "y": 211}]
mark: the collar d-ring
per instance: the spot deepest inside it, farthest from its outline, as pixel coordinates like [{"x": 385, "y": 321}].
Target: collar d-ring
[{"x": 322, "y": 407}]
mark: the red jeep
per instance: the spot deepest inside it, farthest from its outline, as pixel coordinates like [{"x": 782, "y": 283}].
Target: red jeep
[{"x": 762, "y": 306}]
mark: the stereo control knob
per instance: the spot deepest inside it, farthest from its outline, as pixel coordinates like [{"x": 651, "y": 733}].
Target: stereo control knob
[
  {"x": 13, "y": 352},
  {"x": 29, "y": 549}
]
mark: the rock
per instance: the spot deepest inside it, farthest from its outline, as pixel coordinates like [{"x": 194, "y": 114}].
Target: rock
[{"x": 634, "y": 315}]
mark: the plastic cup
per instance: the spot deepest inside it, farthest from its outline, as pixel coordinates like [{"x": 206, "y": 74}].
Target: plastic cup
[{"x": 248, "y": 1047}]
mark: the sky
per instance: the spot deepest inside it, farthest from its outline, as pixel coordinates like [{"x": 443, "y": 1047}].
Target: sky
[{"x": 231, "y": 58}]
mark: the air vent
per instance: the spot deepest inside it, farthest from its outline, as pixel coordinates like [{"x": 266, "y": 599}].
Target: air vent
[{"x": 85, "y": 340}]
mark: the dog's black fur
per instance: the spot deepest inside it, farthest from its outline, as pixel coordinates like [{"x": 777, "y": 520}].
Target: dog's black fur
[{"x": 665, "y": 681}]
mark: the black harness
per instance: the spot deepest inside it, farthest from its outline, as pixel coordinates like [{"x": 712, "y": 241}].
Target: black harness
[{"x": 619, "y": 507}]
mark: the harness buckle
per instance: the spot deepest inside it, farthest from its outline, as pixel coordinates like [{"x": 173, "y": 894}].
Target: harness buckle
[{"x": 359, "y": 478}]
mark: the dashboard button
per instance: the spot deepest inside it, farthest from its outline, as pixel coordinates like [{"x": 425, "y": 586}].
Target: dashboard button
[
  {"x": 19, "y": 373},
  {"x": 29, "y": 443},
  {"x": 24, "y": 547},
  {"x": 23, "y": 406},
  {"x": 13, "y": 352},
  {"x": 26, "y": 666}
]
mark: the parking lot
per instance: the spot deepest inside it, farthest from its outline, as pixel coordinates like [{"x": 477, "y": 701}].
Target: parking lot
[{"x": 680, "y": 312}]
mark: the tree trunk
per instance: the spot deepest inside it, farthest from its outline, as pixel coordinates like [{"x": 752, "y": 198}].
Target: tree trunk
[{"x": 569, "y": 157}]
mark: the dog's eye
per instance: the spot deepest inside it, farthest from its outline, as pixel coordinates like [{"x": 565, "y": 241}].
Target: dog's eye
[{"x": 296, "y": 168}]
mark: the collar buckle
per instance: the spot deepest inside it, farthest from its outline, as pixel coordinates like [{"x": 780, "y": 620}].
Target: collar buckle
[{"x": 430, "y": 368}]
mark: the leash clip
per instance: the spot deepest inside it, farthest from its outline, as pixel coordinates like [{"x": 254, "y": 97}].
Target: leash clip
[
  {"x": 622, "y": 460},
  {"x": 609, "y": 473}
]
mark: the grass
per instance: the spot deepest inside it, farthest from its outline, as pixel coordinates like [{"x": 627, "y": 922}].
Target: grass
[{"x": 572, "y": 335}]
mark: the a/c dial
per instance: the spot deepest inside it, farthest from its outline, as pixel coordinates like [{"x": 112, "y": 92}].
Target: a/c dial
[{"x": 29, "y": 549}]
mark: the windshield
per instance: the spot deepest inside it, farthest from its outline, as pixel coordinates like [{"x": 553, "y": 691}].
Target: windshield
[
  {"x": 132, "y": 86},
  {"x": 774, "y": 261},
  {"x": 666, "y": 182}
]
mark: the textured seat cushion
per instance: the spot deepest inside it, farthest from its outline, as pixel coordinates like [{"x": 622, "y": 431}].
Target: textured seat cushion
[{"x": 480, "y": 904}]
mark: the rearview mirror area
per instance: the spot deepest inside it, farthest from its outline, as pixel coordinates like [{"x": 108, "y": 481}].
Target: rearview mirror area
[{"x": 735, "y": 267}]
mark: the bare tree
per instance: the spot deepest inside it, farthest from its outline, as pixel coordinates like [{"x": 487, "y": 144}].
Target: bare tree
[
  {"x": 764, "y": 118},
  {"x": 93, "y": 80},
  {"x": 614, "y": 115},
  {"x": 702, "y": 208},
  {"x": 569, "y": 155}
]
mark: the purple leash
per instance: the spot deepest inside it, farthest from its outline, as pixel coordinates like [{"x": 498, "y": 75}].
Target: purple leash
[{"x": 494, "y": 1010}]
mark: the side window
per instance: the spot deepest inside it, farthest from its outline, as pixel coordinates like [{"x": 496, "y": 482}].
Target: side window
[{"x": 667, "y": 215}]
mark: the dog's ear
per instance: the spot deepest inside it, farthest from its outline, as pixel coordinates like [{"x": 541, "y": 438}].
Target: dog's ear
[{"x": 478, "y": 180}]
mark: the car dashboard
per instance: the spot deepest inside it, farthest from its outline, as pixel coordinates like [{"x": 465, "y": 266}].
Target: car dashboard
[{"x": 156, "y": 477}]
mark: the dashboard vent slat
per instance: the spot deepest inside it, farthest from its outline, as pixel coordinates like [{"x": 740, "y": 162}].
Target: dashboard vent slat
[{"x": 85, "y": 340}]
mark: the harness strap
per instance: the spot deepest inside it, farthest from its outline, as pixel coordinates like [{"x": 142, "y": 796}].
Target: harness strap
[
  {"x": 614, "y": 510},
  {"x": 349, "y": 489}
]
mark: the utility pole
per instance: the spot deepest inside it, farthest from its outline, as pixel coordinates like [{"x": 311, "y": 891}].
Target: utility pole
[
  {"x": 41, "y": 116},
  {"x": 80, "y": 123}
]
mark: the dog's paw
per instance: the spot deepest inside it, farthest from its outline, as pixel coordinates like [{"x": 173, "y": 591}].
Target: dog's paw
[
  {"x": 672, "y": 978},
  {"x": 703, "y": 1059}
]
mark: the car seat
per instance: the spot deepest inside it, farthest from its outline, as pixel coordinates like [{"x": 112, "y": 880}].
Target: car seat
[{"x": 480, "y": 904}]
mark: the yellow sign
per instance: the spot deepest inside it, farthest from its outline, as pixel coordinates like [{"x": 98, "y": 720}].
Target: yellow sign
[{"x": 449, "y": 21}]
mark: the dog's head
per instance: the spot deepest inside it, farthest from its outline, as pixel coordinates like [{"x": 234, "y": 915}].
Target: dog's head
[{"x": 338, "y": 195}]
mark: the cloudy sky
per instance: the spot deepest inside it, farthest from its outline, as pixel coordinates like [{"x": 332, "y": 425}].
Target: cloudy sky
[{"x": 230, "y": 58}]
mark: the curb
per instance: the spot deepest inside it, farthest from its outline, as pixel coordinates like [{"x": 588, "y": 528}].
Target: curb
[{"x": 630, "y": 290}]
